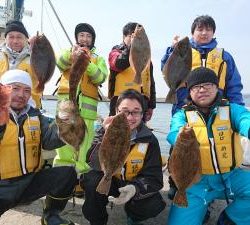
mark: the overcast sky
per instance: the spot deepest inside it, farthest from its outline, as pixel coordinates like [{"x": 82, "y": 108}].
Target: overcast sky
[{"x": 162, "y": 19}]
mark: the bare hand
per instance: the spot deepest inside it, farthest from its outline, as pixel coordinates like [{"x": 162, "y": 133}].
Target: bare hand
[
  {"x": 175, "y": 40},
  {"x": 107, "y": 121}
]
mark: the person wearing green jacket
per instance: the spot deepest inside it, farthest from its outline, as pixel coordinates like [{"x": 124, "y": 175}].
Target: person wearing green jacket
[{"x": 87, "y": 94}]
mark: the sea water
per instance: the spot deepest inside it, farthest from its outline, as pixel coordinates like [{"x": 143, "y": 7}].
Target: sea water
[{"x": 159, "y": 123}]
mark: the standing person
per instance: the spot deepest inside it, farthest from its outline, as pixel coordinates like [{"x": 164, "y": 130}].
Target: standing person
[
  {"x": 122, "y": 75},
  {"x": 22, "y": 178},
  {"x": 138, "y": 185},
  {"x": 206, "y": 53},
  {"x": 218, "y": 126},
  {"x": 94, "y": 76},
  {"x": 15, "y": 54}
]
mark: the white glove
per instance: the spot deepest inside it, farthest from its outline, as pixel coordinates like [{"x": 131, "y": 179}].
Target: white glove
[{"x": 127, "y": 192}]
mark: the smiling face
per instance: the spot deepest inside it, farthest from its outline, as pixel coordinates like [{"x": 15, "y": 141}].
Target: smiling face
[
  {"x": 203, "y": 34},
  {"x": 20, "y": 96},
  {"x": 85, "y": 39},
  {"x": 16, "y": 40},
  {"x": 133, "y": 110},
  {"x": 203, "y": 95}
]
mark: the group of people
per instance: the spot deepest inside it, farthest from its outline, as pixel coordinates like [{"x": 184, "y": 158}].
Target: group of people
[{"x": 213, "y": 107}]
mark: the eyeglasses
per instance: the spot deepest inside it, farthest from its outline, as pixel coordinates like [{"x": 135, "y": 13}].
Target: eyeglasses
[
  {"x": 132, "y": 113},
  {"x": 206, "y": 86}
]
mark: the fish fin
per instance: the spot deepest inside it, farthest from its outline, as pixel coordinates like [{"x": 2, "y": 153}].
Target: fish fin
[
  {"x": 104, "y": 185},
  {"x": 137, "y": 78},
  {"x": 197, "y": 177},
  {"x": 171, "y": 97},
  {"x": 180, "y": 199},
  {"x": 40, "y": 87}
]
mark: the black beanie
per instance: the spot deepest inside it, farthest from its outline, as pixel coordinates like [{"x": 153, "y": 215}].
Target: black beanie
[
  {"x": 15, "y": 25},
  {"x": 85, "y": 27},
  {"x": 201, "y": 75}
]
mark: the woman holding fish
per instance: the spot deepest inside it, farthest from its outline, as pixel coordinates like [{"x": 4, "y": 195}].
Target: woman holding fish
[
  {"x": 205, "y": 53},
  {"x": 126, "y": 161},
  {"x": 218, "y": 126},
  {"x": 130, "y": 68},
  {"x": 15, "y": 54},
  {"x": 80, "y": 82}
]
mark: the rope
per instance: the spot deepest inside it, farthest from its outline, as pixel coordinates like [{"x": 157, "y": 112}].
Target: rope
[{"x": 65, "y": 32}]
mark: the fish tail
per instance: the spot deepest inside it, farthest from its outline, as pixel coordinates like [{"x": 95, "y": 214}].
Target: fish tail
[
  {"x": 40, "y": 87},
  {"x": 137, "y": 78},
  {"x": 180, "y": 199},
  {"x": 171, "y": 97},
  {"x": 104, "y": 185}
]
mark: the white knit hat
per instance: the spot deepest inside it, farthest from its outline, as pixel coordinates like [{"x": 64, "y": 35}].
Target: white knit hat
[{"x": 16, "y": 76}]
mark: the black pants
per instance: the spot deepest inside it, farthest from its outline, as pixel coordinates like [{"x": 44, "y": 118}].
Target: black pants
[
  {"x": 94, "y": 207},
  {"x": 57, "y": 182}
]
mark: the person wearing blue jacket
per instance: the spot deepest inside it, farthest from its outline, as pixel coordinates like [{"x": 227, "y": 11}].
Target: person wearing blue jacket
[
  {"x": 219, "y": 127},
  {"x": 206, "y": 53}
]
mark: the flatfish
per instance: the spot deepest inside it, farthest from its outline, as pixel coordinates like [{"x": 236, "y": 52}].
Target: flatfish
[
  {"x": 113, "y": 151},
  {"x": 177, "y": 68},
  {"x": 72, "y": 131},
  {"x": 80, "y": 62},
  {"x": 140, "y": 53},
  {"x": 185, "y": 164},
  {"x": 5, "y": 100},
  {"x": 42, "y": 60}
]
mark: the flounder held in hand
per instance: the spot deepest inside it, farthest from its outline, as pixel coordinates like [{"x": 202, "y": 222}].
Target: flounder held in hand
[
  {"x": 71, "y": 131},
  {"x": 185, "y": 164},
  {"x": 5, "y": 100},
  {"x": 42, "y": 60},
  {"x": 140, "y": 53},
  {"x": 177, "y": 68},
  {"x": 114, "y": 150},
  {"x": 80, "y": 61}
]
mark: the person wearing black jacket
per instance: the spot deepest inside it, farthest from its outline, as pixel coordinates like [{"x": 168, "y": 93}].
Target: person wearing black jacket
[
  {"x": 141, "y": 177},
  {"x": 122, "y": 75}
]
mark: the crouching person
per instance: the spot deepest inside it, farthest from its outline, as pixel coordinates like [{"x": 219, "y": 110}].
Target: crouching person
[
  {"x": 21, "y": 178},
  {"x": 138, "y": 184},
  {"x": 218, "y": 126}
]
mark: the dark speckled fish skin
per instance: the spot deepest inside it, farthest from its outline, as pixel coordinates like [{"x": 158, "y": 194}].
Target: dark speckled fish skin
[
  {"x": 71, "y": 133},
  {"x": 5, "y": 100},
  {"x": 140, "y": 53},
  {"x": 185, "y": 164},
  {"x": 80, "y": 62},
  {"x": 113, "y": 151},
  {"x": 42, "y": 60},
  {"x": 177, "y": 68}
]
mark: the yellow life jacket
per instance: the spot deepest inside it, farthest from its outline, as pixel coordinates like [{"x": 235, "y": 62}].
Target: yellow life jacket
[
  {"x": 134, "y": 162},
  {"x": 222, "y": 152},
  {"x": 87, "y": 87},
  {"x": 214, "y": 61},
  {"x": 125, "y": 80},
  {"x": 25, "y": 66},
  {"x": 20, "y": 155}
]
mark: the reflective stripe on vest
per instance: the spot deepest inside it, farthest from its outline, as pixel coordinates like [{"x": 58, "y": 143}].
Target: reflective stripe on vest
[
  {"x": 20, "y": 155},
  {"x": 87, "y": 87},
  {"x": 221, "y": 152},
  {"x": 214, "y": 61}
]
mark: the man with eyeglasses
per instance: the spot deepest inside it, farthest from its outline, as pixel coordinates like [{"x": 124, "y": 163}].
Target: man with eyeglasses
[
  {"x": 206, "y": 53},
  {"x": 138, "y": 184},
  {"x": 219, "y": 127}
]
